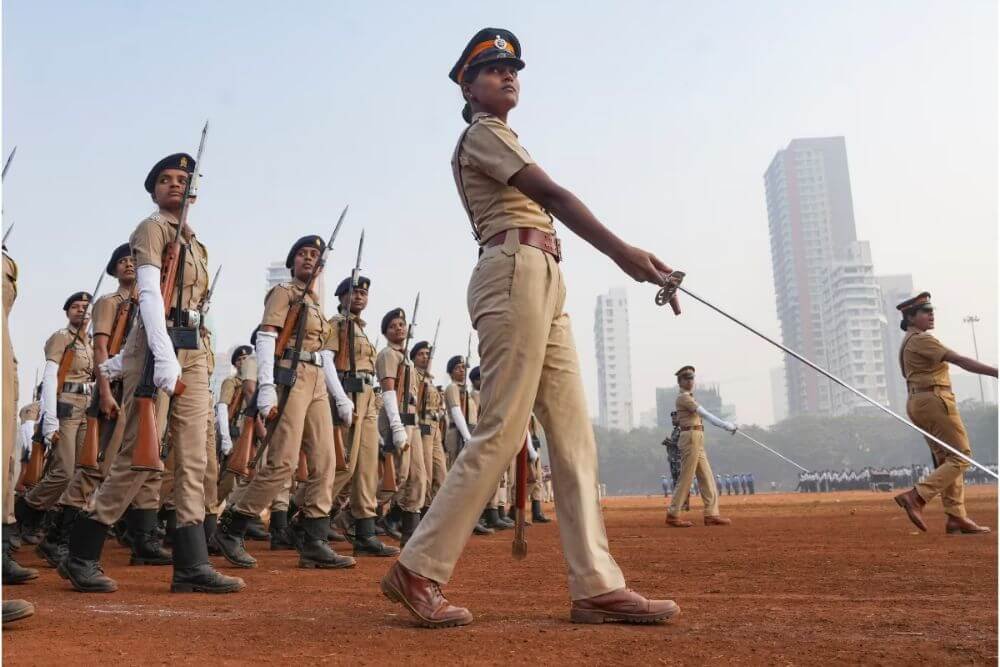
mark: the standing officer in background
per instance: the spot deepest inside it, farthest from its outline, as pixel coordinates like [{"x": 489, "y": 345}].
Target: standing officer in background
[
  {"x": 516, "y": 298},
  {"x": 167, "y": 184},
  {"x": 63, "y": 422},
  {"x": 693, "y": 459},
  {"x": 13, "y": 573},
  {"x": 430, "y": 406},
  {"x": 460, "y": 409},
  {"x": 932, "y": 407}
]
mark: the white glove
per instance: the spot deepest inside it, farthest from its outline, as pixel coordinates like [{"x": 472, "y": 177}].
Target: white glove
[
  {"x": 458, "y": 419},
  {"x": 532, "y": 454},
  {"x": 113, "y": 368},
  {"x": 720, "y": 423},
  {"x": 222, "y": 419},
  {"x": 345, "y": 406},
  {"x": 267, "y": 395},
  {"x": 50, "y": 423},
  {"x": 391, "y": 406},
  {"x": 24, "y": 438},
  {"x": 166, "y": 369},
  {"x": 731, "y": 427}
]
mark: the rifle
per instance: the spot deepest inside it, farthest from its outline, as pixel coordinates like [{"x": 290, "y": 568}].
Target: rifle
[
  {"x": 389, "y": 470},
  {"x": 241, "y": 461},
  {"x": 520, "y": 547},
  {"x": 35, "y": 469},
  {"x": 468, "y": 391},
  {"x": 422, "y": 400},
  {"x": 98, "y": 433},
  {"x": 347, "y": 345},
  {"x": 146, "y": 455}
]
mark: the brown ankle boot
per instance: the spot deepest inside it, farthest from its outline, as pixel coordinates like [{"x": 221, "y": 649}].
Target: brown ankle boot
[
  {"x": 914, "y": 505},
  {"x": 423, "y": 598},
  {"x": 962, "y": 525},
  {"x": 678, "y": 522},
  {"x": 622, "y": 605},
  {"x": 717, "y": 521}
]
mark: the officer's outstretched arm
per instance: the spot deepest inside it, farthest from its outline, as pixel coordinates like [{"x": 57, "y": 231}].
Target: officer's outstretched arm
[
  {"x": 970, "y": 365},
  {"x": 721, "y": 423}
]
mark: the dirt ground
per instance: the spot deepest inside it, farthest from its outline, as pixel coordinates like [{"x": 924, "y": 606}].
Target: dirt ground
[{"x": 798, "y": 579}]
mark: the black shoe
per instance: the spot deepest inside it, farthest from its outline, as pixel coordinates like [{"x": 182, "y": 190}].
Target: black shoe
[
  {"x": 82, "y": 565},
  {"x": 13, "y": 572},
  {"x": 410, "y": 522},
  {"x": 210, "y": 525},
  {"x": 536, "y": 513},
  {"x": 120, "y": 531},
  {"x": 493, "y": 520},
  {"x": 256, "y": 530},
  {"x": 280, "y": 540},
  {"x": 391, "y": 523},
  {"x": 29, "y": 521},
  {"x": 365, "y": 542},
  {"x": 481, "y": 529},
  {"x": 169, "y": 518},
  {"x": 146, "y": 548},
  {"x": 229, "y": 539},
  {"x": 502, "y": 516},
  {"x": 55, "y": 545},
  {"x": 314, "y": 550},
  {"x": 192, "y": 571}
]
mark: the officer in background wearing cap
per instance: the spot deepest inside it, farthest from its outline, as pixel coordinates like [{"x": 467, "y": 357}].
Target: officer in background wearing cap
[
  {"x": 398, "y": 422},
  {"x": 63, "y": 413},
  {"x": 306, "y": 422},
  {"x": 931, "y": 406},
  {"x": 694, "y": 462},
  {"x": 516, "y": 297},
  {"x": 357, "y": 375},
  {"x": 192, "y": 572},
  {"x": 461, "y": 409},
  {"x": 430, "y": 408}
]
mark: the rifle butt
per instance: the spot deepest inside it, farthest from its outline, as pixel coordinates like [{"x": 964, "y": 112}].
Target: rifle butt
[
  {"x": 338, "y": 449},
  {"x": 239, "y": 458},
  {"x": 146, "y": 455},
  {"x": 36, "y": 462},
  {"x": 91, "y": 445},
  {"x": 389, "y": 473}
]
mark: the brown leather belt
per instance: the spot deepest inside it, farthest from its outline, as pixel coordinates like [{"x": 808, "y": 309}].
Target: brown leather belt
[
  {"x": 922, "y": 390},
  {"x": 533, "y": 237},
  {"x": 692, "y": 428}
]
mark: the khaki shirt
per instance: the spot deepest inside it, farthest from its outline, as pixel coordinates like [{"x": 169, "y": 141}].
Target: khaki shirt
[
  {"x": 228, "y": 389},
  {"x": 428, "y": 398},
  {"x": 391, "y": 363},
  {"x": 9, "y": 283},
  {"x": 151, "y": 238},
  {"x": 454, "y": 396},
  {"x": 921, "y": 356},
  {"x": 687, "y": 410},
  {"x": 30, "y": 412},
  {"x": 364, "y": 351},
  {"x": 103, "y": 316},
  {"x": 276, "y": 305},
  {"x": 485, "y": 159},
  {"x": 82, "y": 369}
]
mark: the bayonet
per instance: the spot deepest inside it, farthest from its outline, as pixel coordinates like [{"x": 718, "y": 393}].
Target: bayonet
[
  {"x": 207, "y": 301},
  {"x": 6, "y": 165}
]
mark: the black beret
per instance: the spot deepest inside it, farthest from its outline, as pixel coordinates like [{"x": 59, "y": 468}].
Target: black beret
[
  {"x": 312, "y": 240},
  {"x": 487, "y": 45},
  {"x": 394, "y": 314},
  {"x": 454, "y": 361},
  {"x": 683, "y": 369},
  {"x": 76, "y": 296},
  {"x": 422, "y": 345},
  {"x": 474, "y": 374},
  {"x": 175, "y": 161},
  {"x": 121, "y": 251},
  {"x": 345, "y": 285},
  {"x": 239, "y": 352}
]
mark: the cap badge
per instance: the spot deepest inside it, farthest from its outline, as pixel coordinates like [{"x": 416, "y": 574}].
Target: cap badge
[
  {"x": 500, "y": 43},
  {"x": 184, "y": 163}
]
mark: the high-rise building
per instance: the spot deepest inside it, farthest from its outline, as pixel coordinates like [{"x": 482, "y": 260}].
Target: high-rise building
[
  {"x": 614, "y": 364},
  {"x": 277, "y": 274},
  {"x": 779, "y": 396},
  {"x": 814, "y": 254},
  {"x": 895, "y": 289}
]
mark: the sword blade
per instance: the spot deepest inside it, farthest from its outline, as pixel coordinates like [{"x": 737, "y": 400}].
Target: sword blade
[{"x": 778, "y": 454}]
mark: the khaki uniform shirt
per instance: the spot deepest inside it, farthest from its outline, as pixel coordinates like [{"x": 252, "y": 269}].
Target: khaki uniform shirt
[
  {"x": 429, "y": 401},
  {"x": 82, "y": 369},
  {"x": 230, "y": 386},
  {"x": 30, "y": 412},
  {"x": 454, "y": 395},
  {"x": 9, "y": 283},
  {"x": 687, "y": 410},
  {"x": 276, "y": 305},
  {"x": 364, "y": 351},
  {"x": 391, "y": 363},
  {"x": 148, "y": 242},
  {"x": 485, "y": 159},
  {"x": 921, "y": 357},
  {"x": 104, "y": 312}
]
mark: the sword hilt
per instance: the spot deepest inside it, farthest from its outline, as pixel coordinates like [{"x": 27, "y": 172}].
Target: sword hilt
[{"x": 668, "y": 292}]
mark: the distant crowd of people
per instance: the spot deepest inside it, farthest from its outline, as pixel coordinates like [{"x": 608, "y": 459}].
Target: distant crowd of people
[
  {"x": 735, "y": 484},
  {"x": 899, "y": 477}
]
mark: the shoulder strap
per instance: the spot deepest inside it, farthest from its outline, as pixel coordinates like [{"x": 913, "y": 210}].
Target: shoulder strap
[{"x": 461, "y": 182}]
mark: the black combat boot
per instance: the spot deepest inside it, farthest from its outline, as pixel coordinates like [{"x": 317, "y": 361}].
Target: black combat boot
[
  {"x": 210, "y": 525},
  {"x": 390, "y": 523},
  {"x": 146, "y": 549},
  {"x": 314, "y": 550},
  {"x": 29, "y": 521},
  {"x": 481, "y": 528},
  {"x": 120, "y": 530},
  {"x": 502, "y": 516},
  {"x": 82, "y": 564},
  {"x": 55, "y": 545},
  {"x": 410, "y": 522},
  {"x": 365, "y": 542},
  {"x": 192, "y": 571},
  {"x": 280, "y": 539},
  {"x": 169, "y": 517},
  {"x": 229, "y": 538},
  {"x": 493, "y": 519},
  {"x": 537, "y": 516},
  {"x": 13, "y": 572},
  {"x": 256, "y": 530}
]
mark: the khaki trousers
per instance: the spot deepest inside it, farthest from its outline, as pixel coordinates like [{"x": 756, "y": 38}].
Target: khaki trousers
[
  {"x": 9, "y": 434},
  {"x": 306, "y": 423},
  {"x": 937, "y": 413},
  {"x": 434, "y": 463},
  {"x": 528, "y": 358},
  {"x": 185, "y": 428},
  {"x": 361, "y": 445},
  {"x": 693, "y": 462},
  {"x": 211, "y": 483},
  {"x": 535, "y": 488},
  {"x": 452, "y": 445},
  {"x": 61, "y": 461},
  {"x": 411, "y": 478}
]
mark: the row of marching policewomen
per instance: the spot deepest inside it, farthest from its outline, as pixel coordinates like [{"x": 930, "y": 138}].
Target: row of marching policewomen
[{"x": 316, "y": 430}]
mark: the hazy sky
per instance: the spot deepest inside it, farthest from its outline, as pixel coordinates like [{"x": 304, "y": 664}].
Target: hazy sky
[{"x": 662, "y": 116}]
